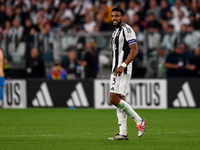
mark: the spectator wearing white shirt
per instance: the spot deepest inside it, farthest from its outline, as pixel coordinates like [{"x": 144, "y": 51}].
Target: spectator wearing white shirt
[
  {"x": 41, "y": 4},
  {"x": 178, "y": 6},
  {"x": 170, "y": 39},
  {"x": 178, "y": 22},
  {"x": 132, "y": 10},
  {"x": 89, "y": 25},
  {"x": 40, "y": 14},
  {"x": 192, "y": 38}
]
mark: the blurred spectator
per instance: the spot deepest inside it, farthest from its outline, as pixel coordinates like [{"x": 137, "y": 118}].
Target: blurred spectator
[
  {"x": 27, "y": 27},
  {"x": 100, "y": 40},
  {"x": 21, "y": 15},
  {"x": 176, "y": 63},
  {"x": 40, "y": 14},
  {"x": 105, "y": 11},
  {"x": 136, "y": 20},
  {"x": 89, "y": 24},
  {"x": 164, "y": 8},
  {"x": 153, "y": 36},
  {"x": 169, "y": 15},
  {"x": 16, "y": 32},
  {"x": 152, "y": 23},
  {"x": 161, "y": 70},
  {"x": 57, "y": 73},
  {"x": 164, "y": 25},
  {"x": 195, "y": 6},
  {"x": 90, "y": 61},
  {"x": 81, "y": 8},
  {"x": 154, "y": 9},
  {"x": 41, "y": 4},
  {"x": 71, "y": 65},
  {"x": 177, "y": 7},
  {"x": 24, "y": 4},
  {"x": 49, "y": 6},
  {"x": 102, "y": 25},
  {"x": 122, "y": 5},
  {"x": 194, "y": 22},
  {"x": 62, "y": 14},
  {"x": 141, "y": 12},
  {"x": 3, "y": 15},
  {"x": 35, "y": 65},
  {"x": 67, "y": 26},
  {"x": 29, "y": 37},
  {"x": 194, "y": 62},
  {"x": 183, "y": 32},
  {"x": 179, "y": 21},
  {"x": 46, "y": 38},
  {"x": 33, "y": 7},
  {"x": 6, "y": 28},
  {"x": 170, "y": 39},
  {"x": 3, "y": 2},
  {"x": 139, "y": 35},
  {"x": 132, "y": 10},
  {"x": 126, "y": 19},
  {"x": 9, "y": 14},
  {"x": 192, "y": 38}
]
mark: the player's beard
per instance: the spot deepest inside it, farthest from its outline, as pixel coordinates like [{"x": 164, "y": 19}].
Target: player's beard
[{"x": 118, "y": 25}]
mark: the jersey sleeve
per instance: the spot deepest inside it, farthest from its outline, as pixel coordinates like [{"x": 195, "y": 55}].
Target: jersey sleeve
[{"x": 129, "y": 35}]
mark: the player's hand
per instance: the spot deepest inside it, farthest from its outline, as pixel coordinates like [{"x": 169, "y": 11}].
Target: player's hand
[{"x": 119, "y": 71}]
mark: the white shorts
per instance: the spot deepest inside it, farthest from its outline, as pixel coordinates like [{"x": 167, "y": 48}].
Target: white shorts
[{"x": 119, "y": 84}]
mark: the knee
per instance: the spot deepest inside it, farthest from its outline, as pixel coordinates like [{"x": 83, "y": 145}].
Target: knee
[{"x": 114, "y": 98}]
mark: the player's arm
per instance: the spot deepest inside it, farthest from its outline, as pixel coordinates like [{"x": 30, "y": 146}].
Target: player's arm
[
  {"x": 171, "y": 66},
  {"x": 133, "y": 53}
]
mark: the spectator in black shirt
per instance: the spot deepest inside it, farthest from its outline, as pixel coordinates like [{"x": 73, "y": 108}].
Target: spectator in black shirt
[
  {"x": 164, "y": 8},
  {"x": 176, "y": 63},
  {"x": 194, "y": 62},
  {"x": 90, "y": 62},
  {"x": 9, "y": 14},
  {"x": 152, "y": 23},
  {"x": 35, "y": 65}
]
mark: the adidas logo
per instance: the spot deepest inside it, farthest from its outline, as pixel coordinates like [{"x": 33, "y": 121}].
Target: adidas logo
[
  {"x": 43, "y": 97},
  {"x": 185, "y": 97},
  {"x": 78, "y": 97}
]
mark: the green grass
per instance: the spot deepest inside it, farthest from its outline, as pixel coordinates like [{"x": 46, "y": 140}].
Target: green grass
[{"x": 88, "y": 129}]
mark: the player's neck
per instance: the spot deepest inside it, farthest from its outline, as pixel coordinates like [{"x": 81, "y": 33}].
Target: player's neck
[{"x": 120, "y": 25}]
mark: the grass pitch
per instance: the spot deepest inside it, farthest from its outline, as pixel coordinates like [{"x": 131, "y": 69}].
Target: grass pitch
[{"x": 88, "y": 129}]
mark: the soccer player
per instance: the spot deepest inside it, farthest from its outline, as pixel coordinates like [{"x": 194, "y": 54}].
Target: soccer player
[
  {"x": 2, "y": 80},
  {"x": 125, "y": 49}
]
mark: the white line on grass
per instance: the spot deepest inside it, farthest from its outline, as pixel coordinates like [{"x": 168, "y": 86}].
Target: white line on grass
[{"x": 49, "y": 135}]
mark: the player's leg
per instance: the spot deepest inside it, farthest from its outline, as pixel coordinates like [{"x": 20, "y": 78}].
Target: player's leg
[
  {"x": 120, "y": 85},
  {"x": 125, "y": 107},
  {"x": 122, "y": 120}
]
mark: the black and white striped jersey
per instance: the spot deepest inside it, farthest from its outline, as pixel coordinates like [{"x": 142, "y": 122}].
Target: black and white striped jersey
[{"x": 121, "y": 39}]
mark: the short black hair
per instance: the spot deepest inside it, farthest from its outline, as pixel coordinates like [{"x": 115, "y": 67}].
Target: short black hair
[{"x": 119, "y": 10}]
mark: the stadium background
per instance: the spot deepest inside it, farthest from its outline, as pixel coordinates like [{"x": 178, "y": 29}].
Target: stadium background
[{"x": 55, "y": 27}]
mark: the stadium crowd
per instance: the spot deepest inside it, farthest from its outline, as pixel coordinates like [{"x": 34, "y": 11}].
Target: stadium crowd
[{"x": 168, "y": 29}]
